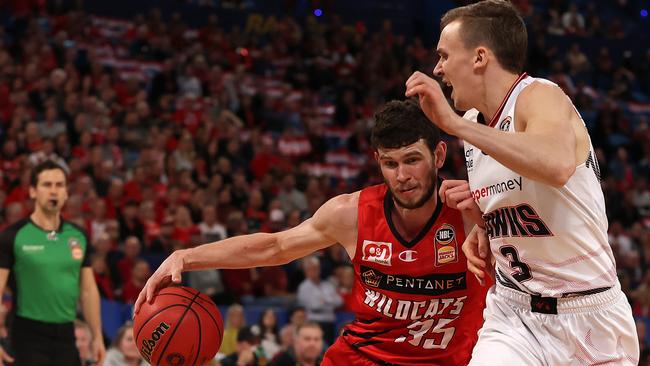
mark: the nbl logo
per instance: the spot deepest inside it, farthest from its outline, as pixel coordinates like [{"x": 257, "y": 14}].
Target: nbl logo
[
  {"x": 377, "y": 252},
  {"x": 445, "y": 235},
  {"x": 446, "y": 245}
]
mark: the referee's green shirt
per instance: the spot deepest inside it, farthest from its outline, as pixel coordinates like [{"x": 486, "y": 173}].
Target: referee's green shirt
[{"x": 45, "y": 268}]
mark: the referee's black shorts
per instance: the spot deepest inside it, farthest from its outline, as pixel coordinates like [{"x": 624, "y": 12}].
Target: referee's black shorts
[{"x": 35, "y": 343}]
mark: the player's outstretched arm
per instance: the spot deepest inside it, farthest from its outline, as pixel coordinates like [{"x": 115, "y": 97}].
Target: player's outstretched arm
[
  {"x": 544, "y": 150},
  {"x": 335, "y": 222}
]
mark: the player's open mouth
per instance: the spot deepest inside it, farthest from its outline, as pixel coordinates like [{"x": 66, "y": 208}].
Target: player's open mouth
[{"x": 53, "y": 202}]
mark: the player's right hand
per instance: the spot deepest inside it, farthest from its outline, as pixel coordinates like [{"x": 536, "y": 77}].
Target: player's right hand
[
  {"x": 457, "y": 195},
  {"x": 4, "y": 357},
  {"x": 169, "y": 272},
  {"x": 479, "y": 258}
]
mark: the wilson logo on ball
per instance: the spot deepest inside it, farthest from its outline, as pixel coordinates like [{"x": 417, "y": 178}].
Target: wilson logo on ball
[{"x": 148, "y": 345}]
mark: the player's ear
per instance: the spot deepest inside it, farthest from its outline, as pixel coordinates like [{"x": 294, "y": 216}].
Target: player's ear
[
  {"x": 439, "y": 154},
  {"x": 480, "y": 57}
]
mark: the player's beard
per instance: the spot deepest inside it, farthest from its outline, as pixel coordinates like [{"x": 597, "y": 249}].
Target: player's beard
[{"x": 433, "y": 178}]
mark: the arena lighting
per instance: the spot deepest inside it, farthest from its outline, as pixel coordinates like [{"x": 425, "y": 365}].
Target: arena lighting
[
  {"x": 318, "y": 12},
  {"x": 644, "y": 13}
]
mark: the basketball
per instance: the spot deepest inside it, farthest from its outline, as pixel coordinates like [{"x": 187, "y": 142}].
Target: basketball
[{"x": 182, "y": 327}]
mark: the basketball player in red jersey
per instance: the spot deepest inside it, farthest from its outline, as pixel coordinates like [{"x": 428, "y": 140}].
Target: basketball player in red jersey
[{"x": 414, "y": 299}]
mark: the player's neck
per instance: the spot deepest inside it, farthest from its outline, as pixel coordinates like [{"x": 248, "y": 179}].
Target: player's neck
[
  {"x": 497, "y": 83},
  {"x": 409, "y": 222},
  {"x": 46, "y": 221}
]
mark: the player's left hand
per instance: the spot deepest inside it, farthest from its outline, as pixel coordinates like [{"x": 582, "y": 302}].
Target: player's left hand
[
  {"x": 98, "y": 351},
  {"x": 479, "y": 258},
  {"x": 432, "y": 101}
]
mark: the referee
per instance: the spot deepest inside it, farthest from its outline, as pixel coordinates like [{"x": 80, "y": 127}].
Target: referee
[{"x": 47, "y": 258}]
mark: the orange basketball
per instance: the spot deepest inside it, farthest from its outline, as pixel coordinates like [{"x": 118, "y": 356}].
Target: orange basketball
[{"x": 182, "y": 327}]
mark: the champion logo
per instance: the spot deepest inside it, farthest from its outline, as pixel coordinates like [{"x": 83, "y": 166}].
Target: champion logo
[{"x": 408, "y": 256}]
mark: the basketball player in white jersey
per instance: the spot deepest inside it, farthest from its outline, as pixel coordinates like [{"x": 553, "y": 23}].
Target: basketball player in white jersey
[{"x": 534, "y": 176}]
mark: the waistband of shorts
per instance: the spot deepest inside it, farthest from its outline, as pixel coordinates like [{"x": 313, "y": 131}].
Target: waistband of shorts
[
  {"x": 38, "y": 326},
  {"x": 565, "y": 305}
]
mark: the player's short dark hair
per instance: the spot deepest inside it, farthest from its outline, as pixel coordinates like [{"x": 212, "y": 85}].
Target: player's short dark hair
[
  {"x": 495, "y": 24},
  {"x": 40, "y": 168},
  {"x": 401, "y": 123}
]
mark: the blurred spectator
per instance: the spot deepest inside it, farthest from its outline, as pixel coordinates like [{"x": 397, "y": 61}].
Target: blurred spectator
[
  {"x": 130, "y": 224},
  {"x": 47, "y": 152},
  {"x": 290, "y": 197},
  {"x": 267, "y": 327},
  {"x": 319, "y": 298},
  {"x": 248, "y": 352},
  {"x": 124, "y": 351},
  {"x": 555, "y": 26},
  {"x": 256, "y": 213},
  {"x": 13, "y": 213},
  {"x": 185, "y": 232},
  {"x": 577, "y": 60},
  {"x": 102, "y": 274},
  {"x": 98, "y": 220},
  {"x": 344, "y": 281},
  {"x": 307, "y": 347},
  {"x": 131, "y": 250},
  {"x": 211, "y": 229},
  {"x": 234, "y": 321},
  {"x": 286, "y": 338},
  {"x": 147, "y": 215},
  {"x": 572, "y": 21},
  {"x": 139, "y": 276},
  {"x": 210, "y": 283},
  {"x": 84, "y": 338}
]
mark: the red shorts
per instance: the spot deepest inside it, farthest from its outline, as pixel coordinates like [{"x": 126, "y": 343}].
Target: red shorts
[{"x": 341, "y": 353}]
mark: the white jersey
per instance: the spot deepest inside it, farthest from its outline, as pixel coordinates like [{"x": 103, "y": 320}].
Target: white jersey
[{"x": 547, "y": 241}]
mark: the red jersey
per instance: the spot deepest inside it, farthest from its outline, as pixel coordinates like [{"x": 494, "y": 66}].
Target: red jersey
[{"x": 415, "y": 301}]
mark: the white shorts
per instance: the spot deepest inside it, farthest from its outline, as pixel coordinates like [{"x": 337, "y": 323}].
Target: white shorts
[{"x": 590, "y": 329}]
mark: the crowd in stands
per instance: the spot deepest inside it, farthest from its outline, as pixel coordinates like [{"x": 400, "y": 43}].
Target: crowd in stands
[{"x": 175, "y": 135}]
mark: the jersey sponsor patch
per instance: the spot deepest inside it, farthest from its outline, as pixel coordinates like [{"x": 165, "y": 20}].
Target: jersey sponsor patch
[
  {"x": 431, "y": 285},
  {"x": 377, "y": 252},
  {"x": 75, "y": 248},
  {"x": 446, "y": 245}
]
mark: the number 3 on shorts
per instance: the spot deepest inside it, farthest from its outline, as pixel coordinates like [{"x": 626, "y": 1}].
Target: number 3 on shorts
[{"x": 418, "y": 329}]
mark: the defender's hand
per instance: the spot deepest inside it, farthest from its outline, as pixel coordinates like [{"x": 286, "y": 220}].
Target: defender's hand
[
  {"x": 479, "y": 258},
  {"x": 457, "y": 194}
]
